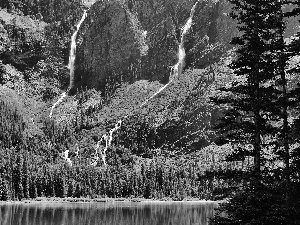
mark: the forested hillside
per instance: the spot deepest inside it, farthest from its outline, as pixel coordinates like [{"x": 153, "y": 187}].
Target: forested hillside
[{"x": 218, "y": 130}]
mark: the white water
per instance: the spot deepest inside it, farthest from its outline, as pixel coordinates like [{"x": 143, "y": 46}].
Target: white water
[
  {"x": 140, "y": 37},
  {"x": 65, "y": 156},
  {"x": 101, "y": 149},
  {"x": 61, "y": 98},
  {"x": 178, "y": 67},
  {"x": 72, "y": 55},
  {"x": 71, "y": 64},
  {"x": 176, "y": 71}
]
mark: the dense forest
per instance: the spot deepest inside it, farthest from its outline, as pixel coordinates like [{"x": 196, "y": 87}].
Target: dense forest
[{"x": 226, "y": 128}]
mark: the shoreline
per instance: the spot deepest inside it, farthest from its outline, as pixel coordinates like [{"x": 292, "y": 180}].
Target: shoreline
[{"x": 106, "y": 200}]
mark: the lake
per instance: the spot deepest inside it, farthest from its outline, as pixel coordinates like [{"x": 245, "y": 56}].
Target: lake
[{"x": 112, "y": 213}]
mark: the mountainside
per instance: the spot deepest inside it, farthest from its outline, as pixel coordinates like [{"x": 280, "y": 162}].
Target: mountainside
[
  {"x": 121, "y": 43},
  {"x": 118, "y": 45}
]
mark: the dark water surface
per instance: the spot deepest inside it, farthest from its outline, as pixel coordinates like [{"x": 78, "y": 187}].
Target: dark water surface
[{"x": 117, "y": 213}]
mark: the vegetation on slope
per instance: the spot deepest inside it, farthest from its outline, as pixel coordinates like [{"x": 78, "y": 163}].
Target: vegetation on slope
[{"x": 142, "y": 158}]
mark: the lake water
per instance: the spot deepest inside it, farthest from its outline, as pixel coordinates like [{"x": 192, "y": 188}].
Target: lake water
[{"x": 116, "y": 213}]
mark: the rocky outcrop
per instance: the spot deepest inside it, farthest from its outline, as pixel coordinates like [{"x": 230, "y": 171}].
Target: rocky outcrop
[
  {"x": 109, "y": 50},
  {"x": 110, "y": 53},
  {"x": 107, "y": 46},
  {"x": 112, "y": 39}
]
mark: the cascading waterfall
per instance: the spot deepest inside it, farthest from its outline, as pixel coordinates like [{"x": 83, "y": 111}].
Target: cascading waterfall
[
  {"x": 61, "y": 98},
  {"x": 72, "y": 56},
  {"x": 178, "y": 67},
  {"x": 102, "y": 148},
  {"x": 105, "y": 142},
  {"x": 71, "y": 65}
]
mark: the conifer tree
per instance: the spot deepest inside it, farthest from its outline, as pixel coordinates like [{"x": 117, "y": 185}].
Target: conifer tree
[
  {"x": 26, "y": 178},
  {"x": 284, "y": 96},
  {"x": 251, "y": 99},
  {"x": 18, "y": 178},
  {"x": 293, "y": 50},
  {"x": 258, "y": 108}
]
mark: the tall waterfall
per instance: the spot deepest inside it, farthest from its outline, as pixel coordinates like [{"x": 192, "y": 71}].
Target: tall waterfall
[
  {"x": 106, "y": 139},
  {"x": 178, "y": 67},
  {"x": 71, "y": 64},
  {"x": 72, "y": 56}
]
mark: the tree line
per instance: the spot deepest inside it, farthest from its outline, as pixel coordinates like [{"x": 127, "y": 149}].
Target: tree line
[{"x": 32, "y": 166}]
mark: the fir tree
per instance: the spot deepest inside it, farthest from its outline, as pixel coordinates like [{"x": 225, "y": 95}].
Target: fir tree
[
  {"x": 18, "y": 178},
  {"x": 293, "y": 49},
  {"x": 26, "y": 178},
  {"x": 252, "y": 97},
  {"x": 258, "y": 108}
]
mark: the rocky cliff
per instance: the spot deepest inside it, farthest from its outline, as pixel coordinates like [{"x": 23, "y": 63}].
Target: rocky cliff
[{"x": 109, "y": 47}]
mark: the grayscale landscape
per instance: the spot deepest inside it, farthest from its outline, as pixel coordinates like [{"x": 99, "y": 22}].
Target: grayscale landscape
[{"x": 182, "y": 112}]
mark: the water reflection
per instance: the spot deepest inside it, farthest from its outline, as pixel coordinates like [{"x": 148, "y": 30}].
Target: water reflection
[{"x": 180, "y": 213}]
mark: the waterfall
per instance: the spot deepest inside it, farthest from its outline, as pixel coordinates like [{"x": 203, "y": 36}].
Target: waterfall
[
  {"x": 71, "y": 64},
  {"x": 140, "y": 35},
  {"x": 61, "y": 98},
  {"x": 106, "y": 139},
  {"x": 72, "y": 56},
  {"x": 178, "y": 67}
]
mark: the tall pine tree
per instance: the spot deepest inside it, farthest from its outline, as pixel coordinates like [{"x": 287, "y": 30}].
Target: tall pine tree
[
  {"x": 252, "y": 99},
  {"x": 293, "y": 52},
  {"x": 259, "y": 111}
]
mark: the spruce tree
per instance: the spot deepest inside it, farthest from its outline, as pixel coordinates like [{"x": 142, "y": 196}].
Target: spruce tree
[
  {"x": 26, "y": 177},
  {"x": 293, "y": 51},
  {"x": 251, "y": 99},
  {"x": 258, "y": 112},
  {"x": 284, "y": 98},
  {"x": 18, "y": 178}
]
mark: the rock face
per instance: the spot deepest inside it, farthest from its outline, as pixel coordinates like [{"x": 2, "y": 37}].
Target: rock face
[
  {"x": 109, "y": 52},
  {"x": 107, "y": 48}
]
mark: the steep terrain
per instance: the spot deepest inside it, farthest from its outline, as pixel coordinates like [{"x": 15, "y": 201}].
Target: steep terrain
[
  {"x": 125, "y": 51},
  {"x": 110, "y": 47}
]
